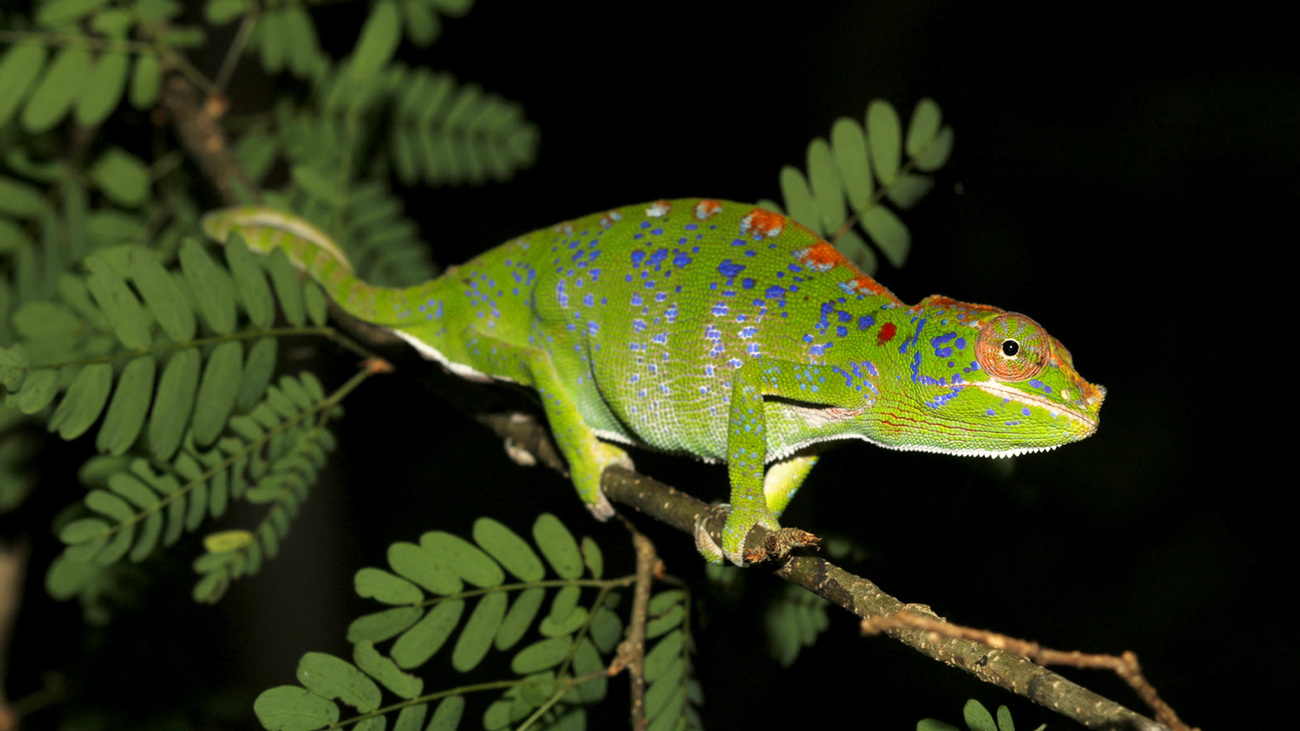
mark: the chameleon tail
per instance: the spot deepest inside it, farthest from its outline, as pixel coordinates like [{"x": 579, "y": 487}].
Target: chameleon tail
[{"x": 308, "y": 249}]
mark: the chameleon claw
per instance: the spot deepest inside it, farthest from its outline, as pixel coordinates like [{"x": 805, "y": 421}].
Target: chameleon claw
[{"x": 777, "y": 546}]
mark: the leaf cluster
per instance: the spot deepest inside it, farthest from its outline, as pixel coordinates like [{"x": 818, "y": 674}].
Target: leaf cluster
[
  {"x": 548, "y": 609},
  {"x": 850, "y": 177},
  {"x": 83, "y": 56}
]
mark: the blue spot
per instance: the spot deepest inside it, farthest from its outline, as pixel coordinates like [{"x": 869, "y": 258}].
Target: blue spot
[
  {"x": 774, "y": 292},
  {"x": 637, "y": 258},
  {"x": 841, "y": 331},
  {"x": 730, "y": 270},
  {"x": 680, "y": 259},
  {"x": 747, "y": 283}
]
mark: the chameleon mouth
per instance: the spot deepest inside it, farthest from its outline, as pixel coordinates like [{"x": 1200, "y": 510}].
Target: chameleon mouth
[{"x": 1087, "y": 420}]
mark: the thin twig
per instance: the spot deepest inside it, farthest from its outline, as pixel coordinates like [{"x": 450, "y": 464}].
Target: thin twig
[{"x": 631, "y": 651}]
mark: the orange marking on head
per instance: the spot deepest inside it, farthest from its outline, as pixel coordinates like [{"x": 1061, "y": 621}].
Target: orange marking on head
[
  {"x": 762, "y": 223},
  {"x": 707, "y": 208}
]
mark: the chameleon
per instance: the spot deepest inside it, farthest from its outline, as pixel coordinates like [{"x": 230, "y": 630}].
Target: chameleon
[{"x": 719, "y": 330}]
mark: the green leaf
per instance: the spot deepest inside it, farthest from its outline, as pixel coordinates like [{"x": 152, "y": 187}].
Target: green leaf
[
  {"x": 411, "y": 718},
  {"x": 385, "y": 671},
  {"x": 1004, "y": 719},
  {"x": 220, "y": 12},
  {"x": 21, "y": 200},
  {"x": 120, "y": 307},
  {"x": 587, "y": 660},
  {"x": 884, "y": 138},
  {"x": 104, "y": 88},
  {"x": 424, "y": 568},
  {"x": 417, "y": 644},
  {"x": 923, "y": 127},
  {"x": 162, "y": 295},
  {"x": 825, "y": 180},
  {"x": 384, "y": 587},
  {"x": 558, "y": 546},
  {"x": 102, "y": 501},
  {"x": 130, "y": 405},
  {"x": 173, "y": 403},
  {"x": 541, "y": 655},
  {"x": 146, "y": 81},
  {"x": 936, "y": 155},
  {"x": 18, "y": 69},
  {"x": 320, "y": 184},
  {"x": 479, "y": 631},
  {"x": 798, "y": 198},
  {"x": 217, "y": 391},
  {"x": 889, "y": 233},
  {"x": 122, "y": 177},
  {"x": 977, "y": 717},
  {"x": 250, "y": 281},
  {"x": 288, "y": 288},
  {"x": 384, "y": 625},
  {"x": 378, "y": 41},
  {"x": 38, "y": 390},
  {"x": 930, "y": 724},
  {"x": 316, "y": 303},
  {"x": 849, "y": 143},
  {"x": 592, "y": 557},
  {"x": 606, "y": 629},
  {"x": 54, "y": 13},
  {"x": 332, "y": 677},
  {"x": 519, "y": 618},
  {"x": 909, "y": 189},
  {"x": 464, "y": 558},
  {"x": 447, "y": 717},
  {"x": 290, "y": 708},
  {"x": 258, "y": 370},
  {"x": 304, "y": 48},
  {"x": 663, "y": 655},
  {"x": 422, "y": 25},
  {"x": 57, "y": 90},
  {"x": 213, "y": 290},
  {"x": 511, "y": 551},
  {"x": 83, "y": 402}
]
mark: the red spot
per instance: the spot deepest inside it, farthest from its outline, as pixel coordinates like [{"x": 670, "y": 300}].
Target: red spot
[
  {"x": 762, "y": 223},
  {"x": 886, "y": 333}
]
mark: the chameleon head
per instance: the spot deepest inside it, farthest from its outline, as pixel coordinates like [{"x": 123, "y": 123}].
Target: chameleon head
[{"x": 1012, "y": 390}]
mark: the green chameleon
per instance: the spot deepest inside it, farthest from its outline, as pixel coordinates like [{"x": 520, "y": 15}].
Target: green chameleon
[{"x": 718, "y": 330}]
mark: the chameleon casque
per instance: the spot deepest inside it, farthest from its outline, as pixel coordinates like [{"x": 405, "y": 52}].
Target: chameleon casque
[{"x": 718, "y": 330}]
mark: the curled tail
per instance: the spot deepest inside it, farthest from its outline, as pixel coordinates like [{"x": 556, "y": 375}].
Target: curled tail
[{"x": 309, "y": 249}]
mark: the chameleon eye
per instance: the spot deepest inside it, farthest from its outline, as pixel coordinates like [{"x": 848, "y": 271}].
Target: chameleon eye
[{"x": 1011, "y": 347}]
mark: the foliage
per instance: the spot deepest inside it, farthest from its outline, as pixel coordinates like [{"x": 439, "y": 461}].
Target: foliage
[
  {"x": 859, "y": 169},
  {"x": 497, "y": 591}
]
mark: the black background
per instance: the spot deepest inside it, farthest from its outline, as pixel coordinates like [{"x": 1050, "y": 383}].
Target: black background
[{"x": 1126, "y": 177}]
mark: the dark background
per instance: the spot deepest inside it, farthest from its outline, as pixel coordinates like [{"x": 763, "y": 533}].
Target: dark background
[{"x": 1127, "y": 178}]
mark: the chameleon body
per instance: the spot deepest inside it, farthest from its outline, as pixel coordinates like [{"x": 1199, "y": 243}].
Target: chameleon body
[{"x": 718, "y": 330}]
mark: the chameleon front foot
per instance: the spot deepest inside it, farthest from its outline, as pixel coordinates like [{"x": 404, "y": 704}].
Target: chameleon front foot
[
  {"x": 587, "y": 478},
  {"x": 775, "y": 546}
]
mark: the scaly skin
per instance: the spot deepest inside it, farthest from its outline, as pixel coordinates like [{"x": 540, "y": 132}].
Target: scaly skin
[{"x": 718, "y": 330}]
